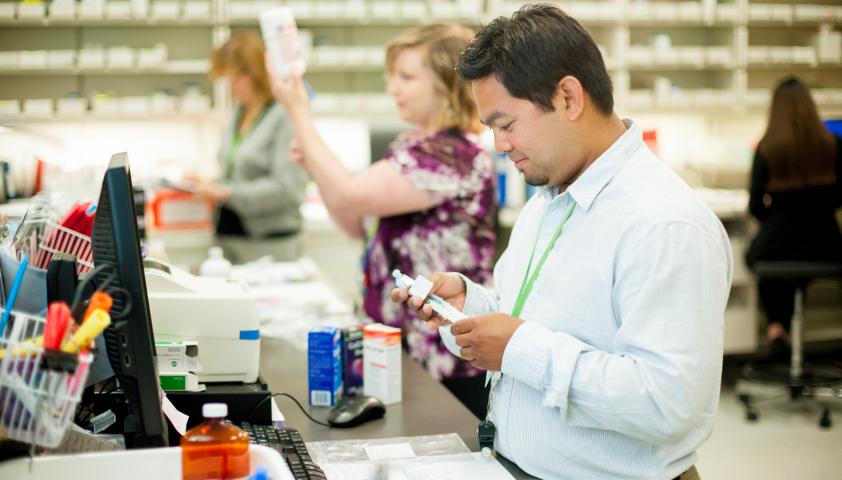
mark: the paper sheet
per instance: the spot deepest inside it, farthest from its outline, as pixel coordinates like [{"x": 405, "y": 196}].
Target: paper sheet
[
  {"x": 178, "y": 419},
  {"x": 465, "y": 466},
  {"x": 422, "y": 457},
  {"x": 389, "y": 452}
]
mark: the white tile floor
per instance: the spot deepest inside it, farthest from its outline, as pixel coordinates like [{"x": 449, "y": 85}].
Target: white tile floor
[{"x": 785, "y": 444}]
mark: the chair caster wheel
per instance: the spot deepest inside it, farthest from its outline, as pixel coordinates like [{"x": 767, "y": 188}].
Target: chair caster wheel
[
  {"x": 752, "y": 416},
  {"x": 825, "y": 422}
]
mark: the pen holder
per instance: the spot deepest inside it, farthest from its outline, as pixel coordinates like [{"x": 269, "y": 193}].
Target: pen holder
[
  {"x": 37, "y": 400},
  {"x": 59, "y": 239}
]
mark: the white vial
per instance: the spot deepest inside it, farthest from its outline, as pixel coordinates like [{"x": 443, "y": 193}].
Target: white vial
[
  {"x": 216, "y": 265},
  {"x": 280, "y": 35}
]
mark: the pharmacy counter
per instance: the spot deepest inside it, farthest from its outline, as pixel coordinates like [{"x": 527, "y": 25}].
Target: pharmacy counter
[{"x": 428, "y": 408}]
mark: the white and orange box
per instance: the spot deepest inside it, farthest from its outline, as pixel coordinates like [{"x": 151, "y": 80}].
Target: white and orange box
[{"x": 382, "y": 362}]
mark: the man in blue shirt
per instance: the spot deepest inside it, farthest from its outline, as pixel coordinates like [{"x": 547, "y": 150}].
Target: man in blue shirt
[{"x": 604, "y": 330}]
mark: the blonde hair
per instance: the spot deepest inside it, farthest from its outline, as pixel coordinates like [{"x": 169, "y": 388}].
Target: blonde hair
[
  {"x": 243, "y": 53},
  {"x": 443, "y": 44}
]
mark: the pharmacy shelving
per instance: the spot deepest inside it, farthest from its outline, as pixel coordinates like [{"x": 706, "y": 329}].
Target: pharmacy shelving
[{"x": 663, "y": 55}]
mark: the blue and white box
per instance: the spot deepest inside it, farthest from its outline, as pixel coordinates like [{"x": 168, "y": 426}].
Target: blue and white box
[{"x": 324, "y": 365}]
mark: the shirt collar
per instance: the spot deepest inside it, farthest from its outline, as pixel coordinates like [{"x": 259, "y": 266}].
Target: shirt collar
[{"x": 585, "y": 189}]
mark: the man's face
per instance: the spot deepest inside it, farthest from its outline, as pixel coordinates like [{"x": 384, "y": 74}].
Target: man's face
[{"x": 542, "y": 145}]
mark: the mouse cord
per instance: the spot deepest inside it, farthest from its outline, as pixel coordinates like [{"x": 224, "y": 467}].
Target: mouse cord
[{"x": 259, "y": 404}]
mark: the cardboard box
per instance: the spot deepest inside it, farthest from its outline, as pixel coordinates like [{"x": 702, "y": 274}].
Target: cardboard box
[
  {"x": 181, "y": 382},
  {"x": 324, "y": 366},
  {"x": 174, "y": 357},
  {"x": 382, "y": 362},
  {"x": 352, "y": 360}
]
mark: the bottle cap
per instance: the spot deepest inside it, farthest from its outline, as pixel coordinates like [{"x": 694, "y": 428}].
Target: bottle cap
[
  {"x": 214, "y": 410},
  {"x": 215, "y": 252}
]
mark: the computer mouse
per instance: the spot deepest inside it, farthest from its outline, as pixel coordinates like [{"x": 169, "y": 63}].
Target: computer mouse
[{"x": 355, "y": 410}]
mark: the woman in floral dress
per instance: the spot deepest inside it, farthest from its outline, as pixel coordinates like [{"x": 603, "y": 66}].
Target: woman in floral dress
[{"x": 428, "y": 205}]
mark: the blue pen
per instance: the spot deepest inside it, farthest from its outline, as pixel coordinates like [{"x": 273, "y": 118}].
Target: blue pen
[{"x": 13, "y": 293}]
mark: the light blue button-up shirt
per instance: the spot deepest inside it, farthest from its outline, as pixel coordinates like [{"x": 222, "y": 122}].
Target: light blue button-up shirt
[{"x": 616, "y": 372}]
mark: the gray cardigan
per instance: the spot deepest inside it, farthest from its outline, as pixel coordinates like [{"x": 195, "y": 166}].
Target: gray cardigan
[{"x": 266, "y": 189}]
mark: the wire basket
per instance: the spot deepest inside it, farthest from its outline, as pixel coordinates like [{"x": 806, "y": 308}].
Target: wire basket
[
  {"x": 37, "y": 402},
  {"x": 57, "y": 239}
]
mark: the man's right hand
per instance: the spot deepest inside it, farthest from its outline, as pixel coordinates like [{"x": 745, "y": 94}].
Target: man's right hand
[{"x": 447, "y": 285}]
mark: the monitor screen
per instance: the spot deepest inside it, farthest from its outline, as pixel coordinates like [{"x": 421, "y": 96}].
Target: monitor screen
[
  {"x": 835, "y": 126},
  {"x": 129, "y": 340}
]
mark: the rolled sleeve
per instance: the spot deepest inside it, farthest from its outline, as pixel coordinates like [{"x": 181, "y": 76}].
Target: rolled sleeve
[{"x": 544, "y": 360}]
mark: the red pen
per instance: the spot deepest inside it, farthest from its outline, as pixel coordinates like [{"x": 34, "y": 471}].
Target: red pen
[{"x": 58, "y": 319}]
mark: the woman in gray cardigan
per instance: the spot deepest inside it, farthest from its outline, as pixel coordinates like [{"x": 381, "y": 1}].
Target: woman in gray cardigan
[{"x": 261, "y": 191}]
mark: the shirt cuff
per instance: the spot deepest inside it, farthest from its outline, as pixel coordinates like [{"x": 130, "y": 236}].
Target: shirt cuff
[
  {"x": 474, "y": 294},
  {"x": 544, "y": 360}
]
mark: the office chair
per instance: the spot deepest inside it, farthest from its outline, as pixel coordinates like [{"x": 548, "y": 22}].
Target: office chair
[{"x": 803, "y": 380}]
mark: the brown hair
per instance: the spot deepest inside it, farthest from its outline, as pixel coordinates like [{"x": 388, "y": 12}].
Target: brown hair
[
  {"x": 798, "y": 149},
  {"x": 444, "y": 43},
  {"x": 530, "y": 52},
  {"x": 243, "y": 53}
]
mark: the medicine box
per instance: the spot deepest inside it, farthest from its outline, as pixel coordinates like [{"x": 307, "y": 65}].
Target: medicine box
[
  {"x": 177, "y": 356},
  {"x": 31, "y": 10},
  {"x": 71, "y": 106},
  {"x": 38, "y": 107},
  {"x": 324, "y": 366},
  {"x": 7, "y": 11},
  {"x": 382, "y": 362},
  {"x": 181, "y": 382},
  {"x": 352, "y": 360}
]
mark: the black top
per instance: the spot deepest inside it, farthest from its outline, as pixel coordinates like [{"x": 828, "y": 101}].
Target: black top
[
  {"x": 229, "y": 223},
  {"x": 796, "y": 225}
]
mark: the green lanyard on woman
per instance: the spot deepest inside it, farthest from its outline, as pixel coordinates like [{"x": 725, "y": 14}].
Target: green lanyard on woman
[{"x": 234, "y": 146}]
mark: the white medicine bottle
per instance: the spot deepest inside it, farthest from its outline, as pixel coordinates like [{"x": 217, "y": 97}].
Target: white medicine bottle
[{"x": 215, "y": 265}]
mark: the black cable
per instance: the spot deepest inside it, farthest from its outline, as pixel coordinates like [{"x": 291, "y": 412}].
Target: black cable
[
  {"x": 260, "y": 403},
  {"x": 78, "y": 305},
  {"x": 80, "y": 288},
  {"x": 127, "y": 302}
]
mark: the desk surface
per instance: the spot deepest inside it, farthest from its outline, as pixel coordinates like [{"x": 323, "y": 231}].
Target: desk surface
[{"x": 428, "y": 408}]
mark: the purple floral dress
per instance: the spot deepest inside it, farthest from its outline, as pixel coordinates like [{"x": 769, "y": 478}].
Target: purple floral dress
[{"x": 457, "y": 235}]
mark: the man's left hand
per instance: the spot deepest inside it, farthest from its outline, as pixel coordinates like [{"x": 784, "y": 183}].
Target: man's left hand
[{"x": 483, "y": 339}]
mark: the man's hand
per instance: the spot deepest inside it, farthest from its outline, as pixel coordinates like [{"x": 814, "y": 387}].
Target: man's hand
[
  {"x": 446, "y": 285},
  {"x": 483, "y": 339}
]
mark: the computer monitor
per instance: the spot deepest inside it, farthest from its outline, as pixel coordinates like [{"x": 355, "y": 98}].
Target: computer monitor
[
  {"x": 834, "y": 125},
  {"x": 129, "y": 340}
]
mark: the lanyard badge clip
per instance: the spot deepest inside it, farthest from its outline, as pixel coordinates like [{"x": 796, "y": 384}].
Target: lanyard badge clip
[{"x": 486, "y": 432}]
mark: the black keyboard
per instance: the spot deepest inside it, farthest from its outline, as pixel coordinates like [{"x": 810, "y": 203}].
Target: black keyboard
[{"x": 291, "y": 446}]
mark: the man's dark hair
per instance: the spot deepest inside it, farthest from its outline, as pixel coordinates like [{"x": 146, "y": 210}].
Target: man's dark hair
[{"x": 531, "y": 51}]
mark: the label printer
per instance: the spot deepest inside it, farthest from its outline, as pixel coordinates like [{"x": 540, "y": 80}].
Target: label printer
[{"x": 219, "y": 314}]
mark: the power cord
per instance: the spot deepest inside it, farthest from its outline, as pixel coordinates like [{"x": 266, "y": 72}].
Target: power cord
[{"x": 260, "y": 404}]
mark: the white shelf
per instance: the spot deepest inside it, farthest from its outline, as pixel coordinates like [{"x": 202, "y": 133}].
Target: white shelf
[
  {"x": 106, "y": 22},
  {"x": 172, "y": 67},
  {"x": 93, "y": 117}
]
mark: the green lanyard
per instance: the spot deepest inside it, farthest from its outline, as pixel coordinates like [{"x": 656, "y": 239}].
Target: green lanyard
[
  {"x": 529, "y": 280},
  {"x": 525, "y": 288},
  {"x": 237, "y": 140}
]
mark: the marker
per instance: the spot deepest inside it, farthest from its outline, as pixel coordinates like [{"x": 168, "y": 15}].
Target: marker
[{"x": 13, "y": 293}]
